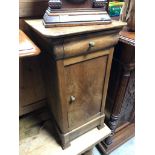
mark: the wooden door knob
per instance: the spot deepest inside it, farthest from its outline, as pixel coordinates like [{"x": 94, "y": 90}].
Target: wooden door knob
[
  {"x": 91, "y": 44},
  {"x": 72, "y": 99}
]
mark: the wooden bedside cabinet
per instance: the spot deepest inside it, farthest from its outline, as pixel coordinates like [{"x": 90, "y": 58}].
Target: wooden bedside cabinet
[{"x": 77, "y": 62}]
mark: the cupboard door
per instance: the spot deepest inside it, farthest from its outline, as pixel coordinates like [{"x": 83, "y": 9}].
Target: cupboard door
[{"x": 84, "y": 89}]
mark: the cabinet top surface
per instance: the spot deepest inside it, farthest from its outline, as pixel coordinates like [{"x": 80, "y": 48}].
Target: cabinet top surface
[{"x": 56, "y": 32}]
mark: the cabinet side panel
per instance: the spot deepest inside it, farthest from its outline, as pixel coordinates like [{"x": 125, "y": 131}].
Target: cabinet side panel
[{"x": 51, "y": 79}]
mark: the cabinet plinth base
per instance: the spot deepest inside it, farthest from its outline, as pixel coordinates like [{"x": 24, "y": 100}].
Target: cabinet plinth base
[{"x": 66, "y": 138}]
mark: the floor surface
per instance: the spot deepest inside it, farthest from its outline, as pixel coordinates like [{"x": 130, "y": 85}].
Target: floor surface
[
  {"x": 32, "y": 124},
  {"x": 125, "y": 149},
  {"x": 37, "y": 136}
]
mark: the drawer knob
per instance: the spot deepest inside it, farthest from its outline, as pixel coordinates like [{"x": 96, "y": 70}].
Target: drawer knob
[
  {"x": 91, "y": 44},
  {"x": 72, "y": 99}
]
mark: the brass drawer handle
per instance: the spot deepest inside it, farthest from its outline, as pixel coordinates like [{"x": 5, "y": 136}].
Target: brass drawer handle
[
  {"x": 72, "y": 99},
  {"x": 91, "y": 44}
]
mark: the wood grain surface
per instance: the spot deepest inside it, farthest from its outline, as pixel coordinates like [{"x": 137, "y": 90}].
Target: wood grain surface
[
  {"x": 127, "y": 34},
  {"x": 32, "y": 8},
  {"x": 31, "y": 91},
  {"x": 26, "y": 46},
  {"x": 127, "y": 37},
  {"x": 54, "y": 32},
  {"x": 85, "y": 80},
  {"x": 77, "y": 92}
]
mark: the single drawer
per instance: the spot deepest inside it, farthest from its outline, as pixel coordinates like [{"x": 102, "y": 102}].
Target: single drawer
[{"x": 89, "y": 43}]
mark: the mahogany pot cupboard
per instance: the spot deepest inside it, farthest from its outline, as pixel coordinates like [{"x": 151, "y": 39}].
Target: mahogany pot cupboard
[
  {"x": 76, "y": 63},
  {"x": 71, "y": 72}
]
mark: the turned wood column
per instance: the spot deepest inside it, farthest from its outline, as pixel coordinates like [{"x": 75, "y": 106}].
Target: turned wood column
[{"x": 118, "y": 105}]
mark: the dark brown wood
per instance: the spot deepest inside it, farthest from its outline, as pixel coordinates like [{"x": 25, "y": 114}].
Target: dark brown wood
[
  {"x": 76, "y": 77},
  {"x": 55, "y": 4},
  {"x": 127, "y": 37},
  {"x": 120, "y": 102},
  {"x": 100, "y": 4},
  {"x": 122, "y": 136},
  {"x": 69, "y": 4},
  {"x": 77, "y": 12},
  {"x": 127, "y": 34},
  {"x": 75, "y": 17},
  {"x": 36, "y": 8},
  {"x": 32, "y": 8},
  {"x": 119, "y": 138},
  {"x": 80, "y": 3}
]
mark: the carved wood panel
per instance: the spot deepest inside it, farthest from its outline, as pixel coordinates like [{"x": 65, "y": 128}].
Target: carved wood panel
[
  {"x": 128, "y": 102},
  {"x": 120, "y": 105}
]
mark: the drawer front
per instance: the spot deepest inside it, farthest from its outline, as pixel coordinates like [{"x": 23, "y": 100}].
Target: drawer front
[
  {"x": 84, "y": 89},
  {"x": 88, "y": 44}
]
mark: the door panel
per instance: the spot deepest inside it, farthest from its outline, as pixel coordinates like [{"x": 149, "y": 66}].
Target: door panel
[{"x": 84, "y": 82}]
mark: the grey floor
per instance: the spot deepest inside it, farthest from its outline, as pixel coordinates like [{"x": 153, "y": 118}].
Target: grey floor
[{"x": 125, "y": 149}]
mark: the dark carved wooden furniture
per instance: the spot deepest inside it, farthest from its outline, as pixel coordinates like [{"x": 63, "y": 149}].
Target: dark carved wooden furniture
[
  {"x": 76, "y": 12},
  {"x": 77, "y": 62},
  {"x": 61, "y": 4},
  {"x": 120, "y": 103}
]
